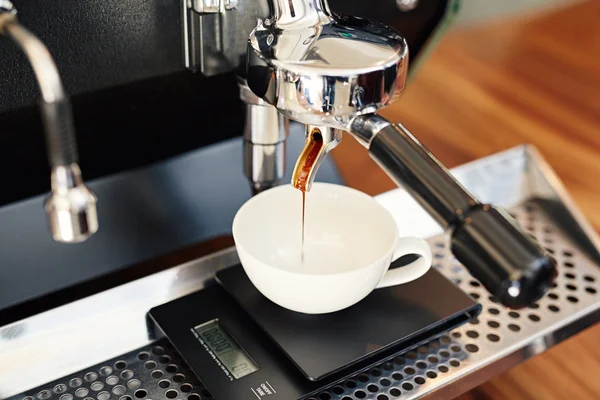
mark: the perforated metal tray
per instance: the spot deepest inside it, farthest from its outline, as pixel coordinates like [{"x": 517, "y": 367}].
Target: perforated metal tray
[
  {"x": 497, "y": 335},
  {"x": 152, "y": 372},
  {"x": 59, "y": 352}
]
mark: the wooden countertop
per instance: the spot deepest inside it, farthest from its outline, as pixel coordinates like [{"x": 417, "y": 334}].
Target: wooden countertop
[{"x": 533, "y": 80}]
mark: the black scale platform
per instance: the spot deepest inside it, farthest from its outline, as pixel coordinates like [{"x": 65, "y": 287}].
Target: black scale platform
[{"x": 243, "y": 346}]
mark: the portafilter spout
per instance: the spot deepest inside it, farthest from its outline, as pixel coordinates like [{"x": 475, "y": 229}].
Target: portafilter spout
[
  {"x": 320, "y": 140},
  {"x": 336, "y": 71},
  {"x": 71, "y": 207}
]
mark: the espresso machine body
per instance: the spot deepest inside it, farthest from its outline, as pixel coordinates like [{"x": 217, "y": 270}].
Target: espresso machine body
[
  {"x": 159, "y": 105},
  {"x": 160, "y": 133}
]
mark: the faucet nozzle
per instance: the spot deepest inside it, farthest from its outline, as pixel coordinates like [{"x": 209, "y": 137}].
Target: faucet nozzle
[{"x": 71, "y": 207}]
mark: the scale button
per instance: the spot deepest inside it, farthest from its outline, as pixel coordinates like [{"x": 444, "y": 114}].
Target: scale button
[{"x": 263, "y": 390}]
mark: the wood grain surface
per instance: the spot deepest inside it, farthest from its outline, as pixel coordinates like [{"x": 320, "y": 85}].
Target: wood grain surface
[{"x": 487, "y": 88}]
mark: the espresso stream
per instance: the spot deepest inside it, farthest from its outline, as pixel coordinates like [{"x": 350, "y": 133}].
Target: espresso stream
[{"x": 304, "y": 167}]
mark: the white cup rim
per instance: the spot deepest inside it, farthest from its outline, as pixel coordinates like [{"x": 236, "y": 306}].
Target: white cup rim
[{"x": 256, "y": 198}]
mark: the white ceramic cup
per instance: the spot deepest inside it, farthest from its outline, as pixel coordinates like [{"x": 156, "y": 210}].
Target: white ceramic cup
[{"x": 350, "y": 241}]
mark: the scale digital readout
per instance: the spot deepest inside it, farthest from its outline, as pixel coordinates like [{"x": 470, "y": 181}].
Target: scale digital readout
[
  {"x": 244, "y": 347},
  {"x": 227, "y": 352}
]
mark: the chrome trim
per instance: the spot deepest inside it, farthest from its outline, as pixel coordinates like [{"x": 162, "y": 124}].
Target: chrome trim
[
  {"x": 62, "y": 341},
  {"x": 265, "y": 135},
  {"x": 299, "y": 63},
  {"x": 40, "y": 59},
  {"x": 264, "y": 164},
  {"x": 71, "y": 206}
]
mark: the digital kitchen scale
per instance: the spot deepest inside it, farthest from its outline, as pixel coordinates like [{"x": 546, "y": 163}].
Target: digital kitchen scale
[{"x": 243, "y": 346}]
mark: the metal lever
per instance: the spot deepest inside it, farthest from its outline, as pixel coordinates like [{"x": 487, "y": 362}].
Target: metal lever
[
  {"x": 507, "y": 261},
  {"x": 71, "y": 206}
]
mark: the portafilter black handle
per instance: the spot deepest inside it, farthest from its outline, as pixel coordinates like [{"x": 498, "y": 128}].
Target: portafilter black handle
[
  {"x": 486, "y": 240},
  {"x": 507, "y": 261}
]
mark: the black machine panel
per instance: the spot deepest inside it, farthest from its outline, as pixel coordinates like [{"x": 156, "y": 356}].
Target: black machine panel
[
  {"x": 103, "y": 43},
  {"x": 143, "y": 214}
]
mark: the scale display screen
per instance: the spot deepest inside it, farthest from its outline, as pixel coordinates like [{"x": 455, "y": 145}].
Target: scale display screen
[{"x": 227, "y": 352}]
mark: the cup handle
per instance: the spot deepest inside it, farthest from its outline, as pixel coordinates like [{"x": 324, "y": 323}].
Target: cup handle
[{"x": 412, "y": 271}]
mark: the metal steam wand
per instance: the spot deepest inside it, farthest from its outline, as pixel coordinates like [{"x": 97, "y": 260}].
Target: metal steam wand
[{"x": 71, "y": 206}]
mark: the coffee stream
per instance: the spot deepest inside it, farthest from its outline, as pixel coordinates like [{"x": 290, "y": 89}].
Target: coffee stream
[{"x": 304, "y": 167}]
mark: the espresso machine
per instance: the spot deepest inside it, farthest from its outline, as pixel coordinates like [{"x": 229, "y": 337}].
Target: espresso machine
[{"x": 176, "y": 112}]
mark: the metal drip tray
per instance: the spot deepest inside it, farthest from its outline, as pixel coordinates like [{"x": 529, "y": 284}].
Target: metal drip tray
[
  {"x": 68, "y": 346},
  {"x": 152, "y": 372},
  {"x": 497, "y": 333}
]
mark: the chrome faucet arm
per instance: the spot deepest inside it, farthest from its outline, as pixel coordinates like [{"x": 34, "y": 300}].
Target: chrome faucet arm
[
  {"x": 71, "y": 207},
  {"x": 41, "y": 61}
]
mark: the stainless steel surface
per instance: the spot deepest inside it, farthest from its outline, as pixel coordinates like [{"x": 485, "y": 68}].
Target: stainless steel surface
[
  {"x": 264, "y": 164},
  {"x": 265, "y": 135},
  {"x": 40, "y": 59},
  {"x": 51, "y": 345},
  {"x": 191, "y": 28},
  {"x": 87, "y": 332},
  {"x": 71, "y": 206},
  {"x": 366, "y": 127},
  {"x": 291, "y": 14},
  {"x": 215, "y": 42},
  {"x": 203, "y": 35},
  {"x": 8, "y": 13},
  {"x": 304, "y": 61},
  {"x": 212, "y": 6},
  {"x": 264, "y": 125},
  {"x": 499, "y": 338},
  {"x": 155, "y": 371},
  {"x": 300, "y": 60},
  {"x": 320, "y": 70}
]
